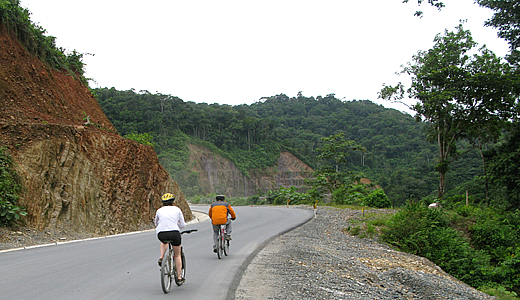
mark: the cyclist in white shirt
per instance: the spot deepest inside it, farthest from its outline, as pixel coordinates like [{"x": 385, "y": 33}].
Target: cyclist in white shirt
[{"x": 169, "y": 220}]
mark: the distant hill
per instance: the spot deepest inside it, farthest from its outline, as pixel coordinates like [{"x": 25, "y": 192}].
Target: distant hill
[{"x": 398, "y": 156}]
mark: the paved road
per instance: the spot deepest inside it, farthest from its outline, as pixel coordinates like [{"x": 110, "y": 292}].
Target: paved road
[{"x": 125, "y": 267}]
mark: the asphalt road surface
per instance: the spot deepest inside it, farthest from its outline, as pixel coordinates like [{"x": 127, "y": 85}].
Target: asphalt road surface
[{"x": 125, "y": 266}]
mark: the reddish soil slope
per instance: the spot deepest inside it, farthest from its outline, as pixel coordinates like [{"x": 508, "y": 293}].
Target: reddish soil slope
[{"x": 76, "y": 171}]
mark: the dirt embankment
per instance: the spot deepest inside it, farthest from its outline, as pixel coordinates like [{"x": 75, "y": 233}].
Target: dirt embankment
[
  {"x": 77, "y": 172},
  {"x": 220, "y": 175}
]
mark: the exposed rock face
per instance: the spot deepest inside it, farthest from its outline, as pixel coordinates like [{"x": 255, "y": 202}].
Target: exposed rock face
[
  {"x": 76, "y": 170},
  {"x": 219, "y": 175}
]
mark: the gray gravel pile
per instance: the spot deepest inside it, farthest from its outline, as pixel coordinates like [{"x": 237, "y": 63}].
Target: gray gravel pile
[{"x": 319, "y": 261}]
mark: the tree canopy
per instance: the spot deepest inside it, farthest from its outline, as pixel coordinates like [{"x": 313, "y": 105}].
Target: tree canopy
[
  {"x": 507, "y": 20},
  {"x": 398, "y": 156},
  {"x": 463, "y": 93}
]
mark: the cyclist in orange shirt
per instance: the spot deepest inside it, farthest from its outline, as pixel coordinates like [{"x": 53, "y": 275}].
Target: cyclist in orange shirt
[{"x": 218, "y": 212}]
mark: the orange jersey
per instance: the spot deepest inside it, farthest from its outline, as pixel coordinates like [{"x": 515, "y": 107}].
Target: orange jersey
[{"x": 219, "y": 211}]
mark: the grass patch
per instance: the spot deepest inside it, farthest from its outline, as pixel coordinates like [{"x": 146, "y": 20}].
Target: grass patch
[
  {"x": 500, "y": 293},
  {"x": 368, "y": 224}
]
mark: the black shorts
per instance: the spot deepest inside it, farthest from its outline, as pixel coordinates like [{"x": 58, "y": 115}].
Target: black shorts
[{"x": 173, "y": 236}]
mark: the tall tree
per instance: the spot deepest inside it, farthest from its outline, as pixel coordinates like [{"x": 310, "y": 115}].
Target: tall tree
[
  {"x": 461, "y": 96},
  {"x": 507, "y": 20},
  {"x": 335, "y": 148}
]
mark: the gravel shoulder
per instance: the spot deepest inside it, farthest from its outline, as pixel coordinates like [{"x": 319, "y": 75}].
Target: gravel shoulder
[{"x": 319, "y": 261}]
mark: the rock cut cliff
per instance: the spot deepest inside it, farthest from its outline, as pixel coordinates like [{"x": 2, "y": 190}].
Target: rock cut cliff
[
  {"x": 76, "y": 171},
  {"x": 219, "y": 175}
]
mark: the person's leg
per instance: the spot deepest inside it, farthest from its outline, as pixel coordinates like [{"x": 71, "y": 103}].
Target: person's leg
[
  {"x": 228, "y": 230},
  {"x": 216, "y": 228},
  {"x": 228, "y": 227},
  {"x": 178, "y": 260},
  {"x": 163, "y": 249}
]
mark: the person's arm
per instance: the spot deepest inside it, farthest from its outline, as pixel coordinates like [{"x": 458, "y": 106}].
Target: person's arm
[
  {"x": 156, "y": 221},
  {"x": 232, "y": 213},
  {"x": 181, "y": 222},
  {"x": 210, "y": 212}
]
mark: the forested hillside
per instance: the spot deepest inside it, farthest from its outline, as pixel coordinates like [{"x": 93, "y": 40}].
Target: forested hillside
[{"x": 398, "y": 157}]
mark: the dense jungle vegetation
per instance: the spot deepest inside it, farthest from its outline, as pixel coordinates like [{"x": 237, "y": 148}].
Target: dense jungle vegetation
[{"x": 398, "y": 157}]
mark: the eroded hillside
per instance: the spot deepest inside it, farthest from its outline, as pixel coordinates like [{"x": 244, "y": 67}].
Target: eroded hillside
[
  {"x": 76, "y": 171},
  {"x": 219, "y": 175}
]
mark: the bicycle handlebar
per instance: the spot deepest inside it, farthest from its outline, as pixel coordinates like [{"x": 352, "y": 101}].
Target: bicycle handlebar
[{"x": 189, "y": 231}]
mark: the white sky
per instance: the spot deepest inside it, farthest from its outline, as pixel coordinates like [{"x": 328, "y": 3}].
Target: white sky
[{"x": 237, "y": 51}]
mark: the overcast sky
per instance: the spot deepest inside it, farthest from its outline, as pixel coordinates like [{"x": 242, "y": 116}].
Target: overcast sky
[{"x": 237, "y": 51}]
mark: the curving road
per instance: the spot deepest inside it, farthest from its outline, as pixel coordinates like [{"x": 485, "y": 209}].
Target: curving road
[{"x": 125, "y": 267}]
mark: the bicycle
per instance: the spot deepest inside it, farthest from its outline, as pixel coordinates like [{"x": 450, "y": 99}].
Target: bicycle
[
  {"x": 168, "y": 270},
  {"x": 223, "y": 243}
]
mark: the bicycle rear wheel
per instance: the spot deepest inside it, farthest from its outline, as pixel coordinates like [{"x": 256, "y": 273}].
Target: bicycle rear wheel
[
  {"x": 167, "y": 271},
  {"x": 226, "y": 247},
  {"x": 219, "y": 246}
]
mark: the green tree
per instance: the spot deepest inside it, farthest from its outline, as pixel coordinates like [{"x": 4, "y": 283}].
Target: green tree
[
  {"x": 335, "y": 150},
  {"x": 507, "y": 20},
  {"x": 460, "y": 96},
  {"x": 504, "y": 168},
  {"x": 338, "y": 149}
]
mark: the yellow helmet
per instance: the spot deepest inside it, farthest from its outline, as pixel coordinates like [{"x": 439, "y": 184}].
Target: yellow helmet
[{"x": 167, "y": 198}]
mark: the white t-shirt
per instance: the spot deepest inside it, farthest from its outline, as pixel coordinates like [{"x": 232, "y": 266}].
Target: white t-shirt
[{"x": 168, "y": 218}]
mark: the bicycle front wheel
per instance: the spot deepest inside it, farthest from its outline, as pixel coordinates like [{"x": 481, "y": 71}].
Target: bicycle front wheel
[
  {"x": 167, "y": 274},
  {"x": 183, "y": 268}
]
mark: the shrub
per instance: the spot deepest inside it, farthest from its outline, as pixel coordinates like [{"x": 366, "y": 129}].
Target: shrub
[
  {"x": 425, "y": 232},
  {"x": 9, "y": 213},
  {"x": 409, "y": 223},
  {"x": 352, "y": 194},
  {"x": 141, "y": 138},
  {"x": 280, "y": 196},
  {"x": 253, "y": 200},
  {"x": 9, "y": 188},
  {"x": 508, "y": 272},
  {"x": 377, "y": 199},
  {"x": 493, "y": 236}
]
